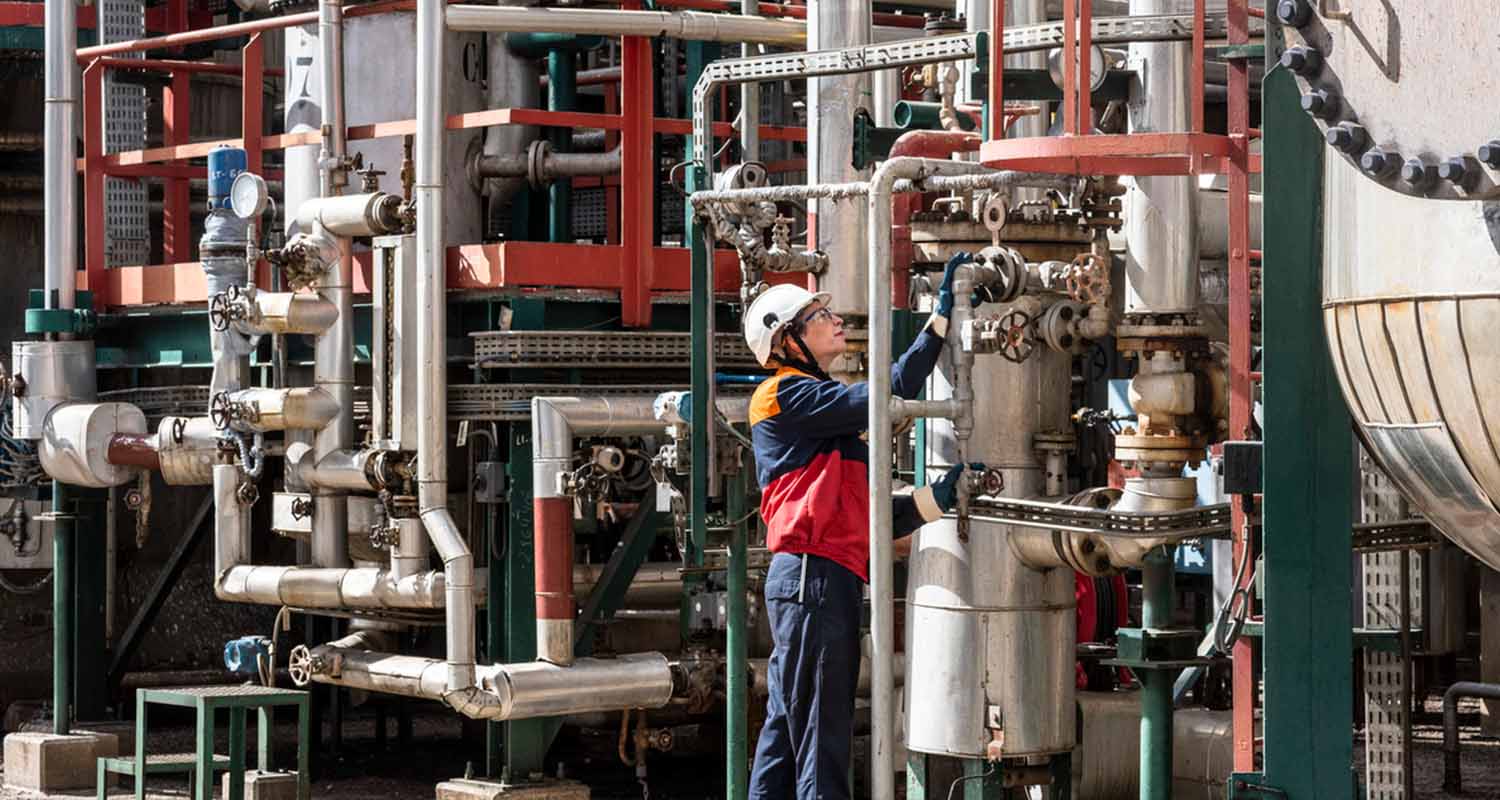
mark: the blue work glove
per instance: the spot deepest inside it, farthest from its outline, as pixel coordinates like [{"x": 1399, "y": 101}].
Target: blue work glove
[
  {"x": 945, "y": 489},
  {"x": 945, "y": 291}
]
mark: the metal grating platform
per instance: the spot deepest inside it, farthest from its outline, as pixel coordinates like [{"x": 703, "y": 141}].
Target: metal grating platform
[{"x": 504, "y": 349}]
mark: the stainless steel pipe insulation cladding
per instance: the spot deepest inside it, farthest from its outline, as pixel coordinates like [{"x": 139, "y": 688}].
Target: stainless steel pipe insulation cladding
[
  {"x": 288, "y": 313},
  {"x": 514, "y": 691},
  {"x": 301, "y": 408},
  {"x": 59, "y": 176},
  {"x": 1161, "y": 219},
  {"x": 188, "y": 448},
  {"x": 52, "y": 373},
  {"x": 75, "y": 443},
  {"x": 690, "y": 25},
  {"x": 835, "y": 227},
  {"x": 331, "y": 587},
  {"x": 369, "y": 214}
]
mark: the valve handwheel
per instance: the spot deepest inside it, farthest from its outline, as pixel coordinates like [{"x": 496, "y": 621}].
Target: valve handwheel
[
  {"x": 299, "y": 664},
  {"x": 1017, "y": 344}
]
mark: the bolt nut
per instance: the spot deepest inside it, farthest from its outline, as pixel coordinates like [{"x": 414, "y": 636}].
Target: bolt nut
[
  {"x": 1489, "y": 153},
  {"x": 1303, "y": 61},
  {"x": 1321, "y": 103},
  {"x": 1454, "y": 170},
  {"x": 1379, "y": 163},
  {"x": 1347, "y": 137},
  {"x": 1417, "y": 173},
  {"x": 1295, "y": 13}
]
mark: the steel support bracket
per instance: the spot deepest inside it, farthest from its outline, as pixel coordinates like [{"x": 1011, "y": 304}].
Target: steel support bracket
[
  {"x": 1152, "y": 648},
  {"x": 41, "y": 320}
]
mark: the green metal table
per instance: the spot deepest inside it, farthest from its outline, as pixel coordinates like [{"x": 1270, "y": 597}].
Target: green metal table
[{"x": 202, "y": 763}]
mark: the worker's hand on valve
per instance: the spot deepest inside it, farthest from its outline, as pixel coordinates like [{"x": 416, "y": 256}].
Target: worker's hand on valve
[
  {"x": 945, "y": 290},
  {"x": 945, "y": 489}
]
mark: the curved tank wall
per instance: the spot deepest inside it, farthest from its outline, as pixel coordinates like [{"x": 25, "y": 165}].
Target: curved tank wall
[{"x": 1412, "y": 310}]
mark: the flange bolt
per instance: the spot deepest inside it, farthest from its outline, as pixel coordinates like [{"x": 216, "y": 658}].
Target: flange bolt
[
  {"x": 1347, "y": 137},
  {"x": 1304, "y": 61},
  {"x": 1489, "y": 153},
  {"x": 1321, "y": 103},
  {"x": 1454, "y": 170},
  {"x": 1417, "y": 173},
  {"x": 1379, "y": 163},
  {"x": 1294, "y": 12}
]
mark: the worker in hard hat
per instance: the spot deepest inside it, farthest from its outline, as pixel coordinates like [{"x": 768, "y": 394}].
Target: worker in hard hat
[{"x": 811, "y": 461}]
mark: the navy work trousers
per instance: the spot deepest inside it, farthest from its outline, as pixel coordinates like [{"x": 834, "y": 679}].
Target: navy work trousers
[{"x": 806, "y": 744}]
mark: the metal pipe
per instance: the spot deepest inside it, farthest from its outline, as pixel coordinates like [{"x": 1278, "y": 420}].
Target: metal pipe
[
  {"x": 350, "y": 470},
  {"x": 1156, "y": 683},
  {"x": 432, "y": 351},
  {"x": 111, "y": 560},
  {"x": 231, "y": 525},
  {"x": 749, "y": 96},
  {"x": 1452, "y": 764},
  {"x": 301, "y": 408},
  {"x": 832, "y": 101},
  {"x": 562, "y": 95},
  {"x": 63, "y": 618},
  {"x": 369, "y": 214},
  {"x": 690, "y": 25},
  {"x": 133, "y": 450},
  {"x": 554, "y": 165},
  {"x": 330, "y": 588},
  {"x": 519, "y": 691},
  {"x": 60, "y": 225}
]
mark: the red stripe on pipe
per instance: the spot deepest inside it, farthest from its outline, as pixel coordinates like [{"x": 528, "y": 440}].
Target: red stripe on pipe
[{"x": 553, "y": 518}]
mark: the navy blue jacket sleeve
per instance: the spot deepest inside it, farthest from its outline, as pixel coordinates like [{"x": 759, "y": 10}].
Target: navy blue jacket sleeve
[
  {"x": 905, "y": 519},
  {"x": 911, "y": 370}
]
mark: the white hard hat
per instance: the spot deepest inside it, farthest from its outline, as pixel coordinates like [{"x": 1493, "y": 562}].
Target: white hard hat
[{"x": 770, "y": 313}]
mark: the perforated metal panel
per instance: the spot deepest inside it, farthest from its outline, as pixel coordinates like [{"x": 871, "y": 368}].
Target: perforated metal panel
[
  {"x": 127, "y": 237},
  {"x": 1385, "y": 686}
]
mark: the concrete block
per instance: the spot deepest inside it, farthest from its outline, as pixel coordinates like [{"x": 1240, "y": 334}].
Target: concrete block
[
  {"x": 124, "y": 733},
  {"x": 45, "y": 762},
  {"x": 465, "y": 789},
  {"x": 265, "y": 785}
]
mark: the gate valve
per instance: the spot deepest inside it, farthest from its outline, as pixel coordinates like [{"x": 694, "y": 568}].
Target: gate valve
[{"x": 1016, "y": 342}]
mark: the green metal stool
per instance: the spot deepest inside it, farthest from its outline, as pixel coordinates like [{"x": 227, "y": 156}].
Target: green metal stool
[{"x": 203, "y": 762}]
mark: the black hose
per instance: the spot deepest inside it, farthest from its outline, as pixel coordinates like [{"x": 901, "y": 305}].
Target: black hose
[{"x": 1452, "y": 771}]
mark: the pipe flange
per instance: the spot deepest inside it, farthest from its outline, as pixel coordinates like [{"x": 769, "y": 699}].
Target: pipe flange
[
  {"x": 1058, "y": 326},
  {"x": 1054, "y": 442},
  {"x": 536, "y": 163},
  {"x": 1173, "y": 448}
]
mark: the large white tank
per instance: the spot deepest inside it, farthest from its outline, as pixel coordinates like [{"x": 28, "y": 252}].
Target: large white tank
[
  {"x": 380, "y": 61},
  {"x": 1412, "y": 271}
]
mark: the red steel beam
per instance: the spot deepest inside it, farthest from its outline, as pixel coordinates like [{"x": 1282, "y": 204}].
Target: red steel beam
[
  {"x": 1198, "y": 56},
  {"x": 636, "y": 178},
  {"x": 252, "y": 102},
  {"x": 1085, "y": 116},
  {"x": 1070, "y": 72},
  {"x": 177, "y": 222},
  {"x": 176, "y": 65}
]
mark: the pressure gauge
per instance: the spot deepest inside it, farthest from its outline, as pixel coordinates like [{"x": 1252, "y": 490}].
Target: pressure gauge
[
  {"x": 247, "y": 195},
  {"x": 1099, "y": 62}
]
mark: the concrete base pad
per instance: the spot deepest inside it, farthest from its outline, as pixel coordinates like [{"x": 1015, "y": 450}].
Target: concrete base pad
[
  {"x": 265, "y": 785},
  {"x": 45, "y": 762},
  {"x": 465, "y": 789}
]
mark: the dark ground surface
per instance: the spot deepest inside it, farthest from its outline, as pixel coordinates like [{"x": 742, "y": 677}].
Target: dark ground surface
[{"x": 441, "y": 748}]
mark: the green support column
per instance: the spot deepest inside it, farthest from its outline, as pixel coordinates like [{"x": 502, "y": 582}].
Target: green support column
[
  {"x": 1158, "y": 576},
  {"x": 736, "y": 660},
  {"x": 701, "y": 317},
  {"x": 90, "y": 654},
  {"x": 525, "y": 742},
  {"x": 62, "y": 611},
  {"x": 562, "y": 95},
  {"x": 1308, "y": 477},
  {"x": 494, "y": 611}
]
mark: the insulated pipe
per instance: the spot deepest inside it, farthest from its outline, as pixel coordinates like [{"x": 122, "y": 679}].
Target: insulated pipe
[
  {"x": 60, "y": 224},
  {"x": 369, "y": 214},
  {"x": 231, "y": 524},
  {"x": 333, "y": 356},
  {"x": 432, "y": 353},
  {"x": 832, "y": 102},
  {"x": 329, "y": 588},
  {"x": 1452, "y": 765},
  {"x": 749, "y": 96},
  {"x": 303, "y": 408},
  {"x": 691, "y": 25},
  {"x": 343, "y": 470},
  {"x": 513, "y": 691},
  {"x": 133, "y": 450}
]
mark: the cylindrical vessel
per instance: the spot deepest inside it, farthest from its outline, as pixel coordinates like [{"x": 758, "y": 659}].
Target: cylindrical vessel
[
  {"x": 512, "y": 82},
  {"x": 1105, "y": 764},
  {"x": 51, "y": 374},
  {"x": 224, "y": 165},
  {"x": 837, "y": 226},
  {"x": 75, "y": 448},
  {"x": 1161, "y": 212},
  {"x": 991, "y": 637}
]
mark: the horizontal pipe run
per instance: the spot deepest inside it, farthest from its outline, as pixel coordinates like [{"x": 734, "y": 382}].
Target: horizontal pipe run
[
  {"x": 902, "y": 409},
  {"x": 265, "y": 410},
  {"x": 340, "y": 470},
  {"x": 508, "y": 691},
  {"x": 171, "y": 40},
  {"x": 330, "y": 588},
  {"x": 370, "y": 214},
  {"x": 846, "y": 191},
  {"x": 133, "y": 450},
  {"x": 691, "y": 25}
]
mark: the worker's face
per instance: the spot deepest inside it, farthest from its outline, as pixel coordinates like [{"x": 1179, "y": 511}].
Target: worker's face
[{"x": 823, "y": 333}]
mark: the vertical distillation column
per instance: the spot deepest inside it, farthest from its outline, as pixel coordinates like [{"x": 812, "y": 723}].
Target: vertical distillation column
[{"x": 837, "y": 227}]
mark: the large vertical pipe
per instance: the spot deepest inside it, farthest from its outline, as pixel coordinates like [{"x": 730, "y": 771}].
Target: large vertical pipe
[
  {"x": 831, "y": 104},
  {"x": 62, "y": 608},
  {"x": 432, "y": 350},
  {"x": 333, "y": 355},
  {"x": 1161, "y": 221},
  {"x": 750, "y": 96},
  {"x": 59, "y": 181},
  {"x": 1156, "y": 684},
  {"x": 562, "y": 95},
  {"x": 552, "y": 512}
]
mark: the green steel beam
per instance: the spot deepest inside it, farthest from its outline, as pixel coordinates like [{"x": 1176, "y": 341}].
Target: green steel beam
[
  {"x": 1157, "y": 591},
  {"x": 736, "y": 653},
  {"x": 90, "y": 654},
  {"x": 1308, "y": 477},
  {"x": 608, "y": 594},
  {"x": 525, "y": 740},
  {"x": 62, "y": 611}
]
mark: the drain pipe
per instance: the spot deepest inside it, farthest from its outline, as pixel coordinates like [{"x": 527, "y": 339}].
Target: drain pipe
[
  {"x": 1452, "y": 767},
  {"x": 432, "y": 351}
]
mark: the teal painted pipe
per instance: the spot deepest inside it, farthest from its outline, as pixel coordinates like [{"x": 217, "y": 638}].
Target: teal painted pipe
[
  {"x": 540, "y": 45},
  {"x": 62, "y": 612},
  {"x": 1156, "y": 684},
  {"x": 912, "y": 115},
  {"x": 562, "y": 95}
]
